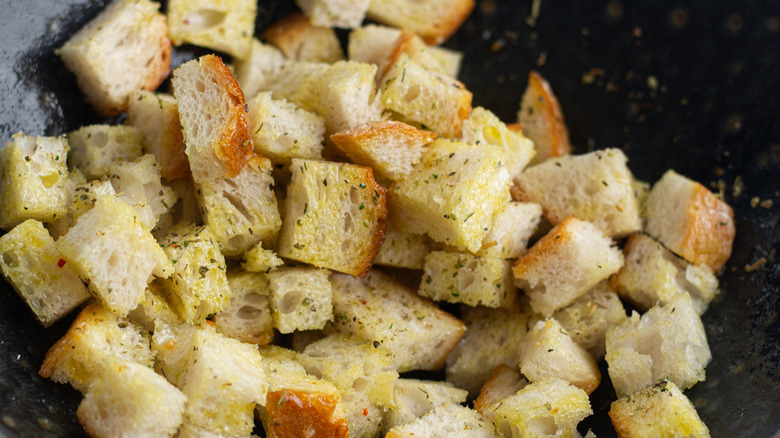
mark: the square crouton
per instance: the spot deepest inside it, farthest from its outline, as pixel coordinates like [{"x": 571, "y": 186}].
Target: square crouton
[
  {"x": 157, "y": 117},
  {"x": 564, "y": 264},
  {"x": 122, "y": 50},
  {"x": 291, "y": 77},
  {"x": 447, "y": 420},
  {"x": 668, "y": 341},
  {"x": 259, "y": 259},
  {"x": 114, "y": 254},
  {"x": 380, "y": 309},
  {"x": 542, "y": 121},
  {"x": 439, "y": 197},
  {"x": 390, "y": 148},
  {"x": 97, "y": 148},
  {"x": 214, "y": 118},
  {"x": 690, "y": 221},
  {"x": 335, "y": 13},
  {"x": 433, "y": 20},
  {"x": 198, "y": 285},
  {"x": 241, "y": 211},
  {"x": 548, "y": 351},
  {"x": 662, "y": 410},
  {"x": 300, "y": 298},
  {"x": 467, "y": 279},
  {"x": 484, "y": 128},
  {"x": 282, "y": 131},
  {"x": 437, "y": 101},
  {"x": 415, "y": 398},
  {"x": 434, "y": 58},
  {"x": 301, "y": 40},
  {"x": 334, "y": 216},
  {"x": 595, "y": 187},
  {"x": 138, "y": 184},
  {"x": 82, "y": 199},
  {"x": 247, "y": 315},
  {"x": 502, "y": 383},
  {"x": 403, "y": 250},
  {"x": 34, "y": 179},
  {"x": 653, "y": 274},
  {"x": 372, "y": 44},
  {"x": 226, "y": 26},
  {"x": 34, "y": 267},
  {"x": 129, "y": 399},
  {"x": 512, "y": 228},
  {"x": 258, "y": 69},
  {"x": 79, "y": 357}
]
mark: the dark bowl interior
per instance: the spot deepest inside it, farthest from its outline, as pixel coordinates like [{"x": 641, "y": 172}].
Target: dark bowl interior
[{"x": 677, "y": 84}]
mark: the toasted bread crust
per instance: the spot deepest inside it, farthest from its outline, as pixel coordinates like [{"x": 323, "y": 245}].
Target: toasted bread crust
[
  {"x": 711, "y": 230},
  {"x": 544, "y": 248},
  {"x": 363, "y": 265},
  {"x": 295, "y": 413},
  {"x": 160, "y": 65},
  {"x": 417, "y": 15},
  {"x": 59, "y": 350},
  {"x": 375, "y": 131},
  {"x": 539, "y": 97}
]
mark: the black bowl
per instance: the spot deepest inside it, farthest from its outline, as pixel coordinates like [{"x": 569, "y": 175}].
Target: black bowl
[{"x": 686, "y": 85}]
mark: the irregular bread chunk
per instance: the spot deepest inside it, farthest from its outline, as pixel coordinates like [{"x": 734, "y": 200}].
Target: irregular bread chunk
[
  {"x": 247, "y": 316},
  {"x": 414, "y": 398},
  {"x": 259, "y": 259},
  {"x": 301, "y": 298},
  {"x": 502, "y": 383},
  {"x": 138, "y": 184},
  {"x": 226, "y": 25},
  {"x": 82, "y": 199},
  {"x": 467, "y": 279},
  {"x": 301, "y": 40},
  {"x": 335, "y": 13},
  {"x": 403, "y": 250},
  {"x": 95, "y": 149},
  {"x": 484, "y": 128},
  {"x": 256, "y": 72},
  {"x": 447, "y": 420},
  {"x": 154, "y": 311},
  {"x": 542, "y": 120},
  {"x": 433, "y": 20},
  {"x": 512, "y": 228}
]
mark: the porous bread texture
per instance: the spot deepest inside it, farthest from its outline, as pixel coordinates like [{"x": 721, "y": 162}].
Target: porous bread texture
[
  {"x": 186, "y": 208},
  {"x": 214, "y": 118},
  {"x": 259, "y": 259},
  {"x": 467, "y": 279},
  {"x": 542, "y": 121},
  {"x": 433, "y": 20},
  {"x": 256, "y": 72},
  {"x": 138, "y": 184},
  {"x": 82, "y": 198},
  {"x": 511, "y": 229},
  {"x": 34, "y": 267},
  {"x": 403, "y": 250},
  {"x": 661, "y": 410},
  {"x": 225, "y": 25},
  {"x": 377, "y": 308},
  {"x": 447, "y": 420},
  {"x": 172, "y": 346},
  {"x": 154, "y": 311},
  {"x": 301, "y": 40},
  {"x": 334, "y": 216},
  {"x": 95, "y": 149},
  {"x": 690, "y": 221},
  {"x": 114, "y": 254},
  {"x": 291, "y": 77},
  {"x": 335, "y": 13},
  {"x": 595, "y": 187},
  {"x": 439, "y": 197},
  {"x": 157, "y": 117},
  {"x": 131, "y": 400},
  {"x": 566, "y": 263},
  {"x": 413, "y": 398},
  {"x": 668, "y": 341},
  {"x": 301, "y": 298},
  {"x": 502, "y": 383},
  {"x": 247, "y": 315},
  {"x": 372, "y": 44},
  {"x": 123, "y": 49},
  {"x": 34, "y": 179},
  {"x": 80, "y": 356}
]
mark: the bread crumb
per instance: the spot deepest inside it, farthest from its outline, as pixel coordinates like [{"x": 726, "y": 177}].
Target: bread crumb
[
  {"x": 754, "y": 201},
  {"x": 766, "y": 203},
  {"x": 755, "y": 265}
]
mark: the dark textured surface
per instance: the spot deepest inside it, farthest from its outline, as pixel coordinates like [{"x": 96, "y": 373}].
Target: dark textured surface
[{"x": 712, "y": 116}]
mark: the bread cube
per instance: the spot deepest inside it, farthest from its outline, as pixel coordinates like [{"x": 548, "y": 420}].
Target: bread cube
[
  {"x": 542, "y": 120},
  {"x": 363, "y": 416},
  {"x": 434, "y": 58},
  {"x": 114, "y": 253},
  {"x": 439, "y": 197},
  {"x": 247, "y": 315},
  {"x": 668, "y": 341},
  {"x": 372, "y": 44},
  {"x": 566, "y": 263},
  {"x": 34, "y": 179},
  {"x": 241, "y": 211},
  {"x": 34, "y": 267},
  {"x": 131, "y": 400},
  {"x": 690, "y": 221},
  {"x": 226, "y": 25},
  {"x": 154, "y": 311},
  {"x": 172, "y": 346},
  {"x": 81, "y": 355},
  {"x": 550, "y": 407},
  {"x": 433, "y": 20},
  {"x": 662, "y": 410},
  {"x": 335, "y": 13},
  {"x": 588, "y": 318},
  {"x": 258, "y": 69},
  {"x": 548, "y": 351},
  {"x": 198, "y": 286},
  {"x": 213, "y": 117},
  {"x": 414, "y": 398},
  {"x": 437, "y": 101},
  {"x": 403, "y": 250},
  {"x": 124, "y": 49},
  {"x": 157, "y": 117},
  {"x": 97, "y": 148},
  {"x": 484, "y": 128},
  {"x": 259, "y": 259},
  {"x": 390, "y": 148},
  {"x": 334, "y": 216},
  {"x": 378, "y": 308},
  {"x": 82, "y": 199},
  {"x": 282, "y": 131},
  {"x": 467, "y": 279},
  {"x": 138, "y": 184},
  {"x": 300, "y": 298},
  {"x": 447, "y": 420},
  {"x": 512, "y": 228},
  {"x": 595, "y": 187},
  {"x": 502, "y": 383},
  {"x": 301, "y": 40},
  {"x": 291, "y": 77}
]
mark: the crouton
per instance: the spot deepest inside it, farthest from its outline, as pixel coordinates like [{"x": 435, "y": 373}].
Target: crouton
[
  {"x": 257, "y": 70},
  {"x": 34, "y": 180},
  {"x": 335, "y": 13},
  {"x": 502, "y": 383},
  {"x": 484, "y": 128},
  {"x": 565, "y": 263},
  {"x": 594, "y": 187},
  {"x": 259, "y": 259},
  {"x": 186, "y": 208},
  {"x": 34, "y": 267},
  {"x": 82, "y": 199},
  {"x": 690, "y": 221},
  {"x": 226, "y": 26},
  {"x": 172, "y": 346},
  {"x": 511, "y": 229},
  {"x": 434, "y": 21},
  {"x": 154, "y": 310},
  {"x": 247, "y": 315},
  {"x": 438, "y": 196},
  {"x": 662, "y": 410},
  {"x": 467, "y": 279},
  {"x": 377, "y": 308},
  {"x": 372, "y": 44},
  {"x": 131, "y": 400},
  {"x": 403, "y": 250},
  {"x": 213, "y": 117},
  {"x": 667, "y": 341},
  {"x": 447, "y": 420},
  {"x": 437, "y": 59},
  {"x": 301, "y": 40},
  {"x": 291, "y": 77},
  {"x": 157, "y": 117},
  {"x": 114, "y": 254},
  {"x": 138, "y": 184},
  {"x": 301, "y": 298},
  {"x": 413, "y": 398},
  {"x": 96, "y": 148},
  {"x": 390, "y": 148},
  {"x": 542, "y": 120},
  {"x": 334, "y": 216},
  {"x": 123, "y": 49}
]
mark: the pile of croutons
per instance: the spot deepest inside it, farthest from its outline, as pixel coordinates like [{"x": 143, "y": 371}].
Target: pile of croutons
[{"x": 226, "y": 243}]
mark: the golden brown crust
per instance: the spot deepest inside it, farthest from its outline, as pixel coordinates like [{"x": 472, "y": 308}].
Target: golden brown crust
[
  {"x": 363, "y": 265},
  {"x": 294, "y": 413},
  {"x": 402, "y": 45},
  {"x": 544, "y": 248},
  {"x": 482, "y": 402},
  {"x": 289, "y": 33},
  {"x": 556, "y": 143},
  {"x": 160, "y": 65},
  {"x": 58, "y": 354},
  {"x": 710, "y": 230},
  {"x": 374, "y": 132},
  {"x": 614, "y": 281},
  {"x": 440, "y": 30}
]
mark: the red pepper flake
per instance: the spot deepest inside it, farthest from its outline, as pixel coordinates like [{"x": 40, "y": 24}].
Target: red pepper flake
[
  {"x": 210, "y": 322},
  {"x": 60, "y": 263},
  {"x": 365, "y": 412},
  {"x": 363, "y": 302}
]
